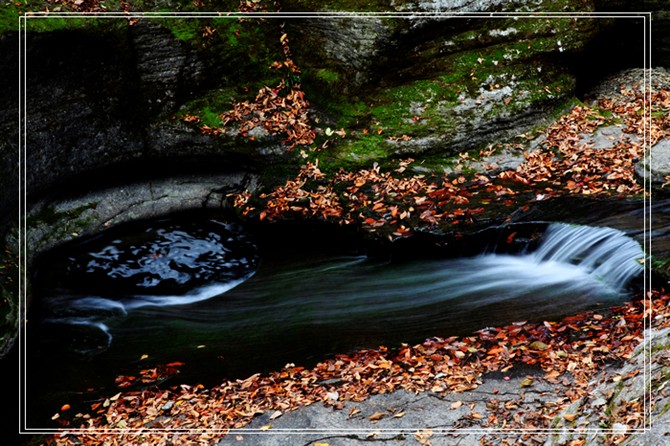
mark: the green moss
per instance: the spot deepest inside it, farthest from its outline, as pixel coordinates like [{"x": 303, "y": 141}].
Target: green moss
[
  {"x": 348, "y": 5},
  {"x": 658, "y": 347},
  {"x": 395, "y": 106},
  {"x": 50, "y": 216},
  {"x": 365, "y": 149},
  {"x": 60, "y": 225},
  {"x": 183, "y": 29},
  {"x": 209, "y": 106},
  {"x": 660, "y": 263},
  {"x": 664, "y": 410},
  {"x": 10, "y": 11},
  {"x": 328, "y": 76},
  {"x": 44, "y": 24}
]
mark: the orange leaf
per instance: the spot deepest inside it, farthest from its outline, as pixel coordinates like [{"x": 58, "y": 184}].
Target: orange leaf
[
  {"x": 376, "y": 416},
  {"x": 570, "y": 416}
]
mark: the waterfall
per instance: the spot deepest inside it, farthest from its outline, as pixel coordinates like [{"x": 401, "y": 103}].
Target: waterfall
[{"x": 604, "y": 253}]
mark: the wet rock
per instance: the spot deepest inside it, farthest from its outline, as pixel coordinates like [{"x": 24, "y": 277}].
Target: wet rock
[
  {"x": 99, "y": 105},
  {"x": 398, "y": 418},
  {"x": 607, "y": 137},
  {"x": 165, "y": 66}
]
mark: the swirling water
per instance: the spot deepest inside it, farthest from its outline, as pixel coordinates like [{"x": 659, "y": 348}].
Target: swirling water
[{"x": 246, "y": 314}]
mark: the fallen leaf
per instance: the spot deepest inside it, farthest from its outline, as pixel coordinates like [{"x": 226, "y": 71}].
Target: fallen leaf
[
  {"x": 570, "y": 416},
  {"x": 376, "y": 416},
  {"x": 537, "y": 345},
  {"x": 527, "y": 382}
]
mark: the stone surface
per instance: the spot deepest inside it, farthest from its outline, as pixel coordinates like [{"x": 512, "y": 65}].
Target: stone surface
[
  {"x": 607, "y": 137},
  {"x": 642, "y": 379},
  {"x": 100, "y": 103},
  {"x": 447, "y": 419},
  {"x": 656, "y": 166},
  {"x": 436, "y": 85},
  {"x": 54, "y": 221},
  {"x": 400, "y": 417}
]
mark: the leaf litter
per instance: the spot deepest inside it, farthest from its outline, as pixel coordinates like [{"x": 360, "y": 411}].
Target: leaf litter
[{"x": 574, "y": 351}]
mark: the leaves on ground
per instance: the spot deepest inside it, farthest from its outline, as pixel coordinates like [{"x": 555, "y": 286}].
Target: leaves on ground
[
  {"x": 392, "y": 201},
  {"x": 577, "y": 349}
]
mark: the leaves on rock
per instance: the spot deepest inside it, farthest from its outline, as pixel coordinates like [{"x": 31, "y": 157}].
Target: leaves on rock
[{"x": 577, "y": 348}]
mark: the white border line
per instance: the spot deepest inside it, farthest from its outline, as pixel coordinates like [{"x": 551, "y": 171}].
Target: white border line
[
  {"x": 647, "y": 348},
  {"x": 22, "y": 212},
  {"x": 302, "y": 15}
]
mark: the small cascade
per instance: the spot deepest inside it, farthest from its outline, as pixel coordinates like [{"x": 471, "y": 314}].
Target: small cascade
[{"x": 604, "y": 253}]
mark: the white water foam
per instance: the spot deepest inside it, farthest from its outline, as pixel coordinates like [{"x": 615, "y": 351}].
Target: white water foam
[
  {"x": 604, "y": 253},
  {"x": 198, "y": 295}
]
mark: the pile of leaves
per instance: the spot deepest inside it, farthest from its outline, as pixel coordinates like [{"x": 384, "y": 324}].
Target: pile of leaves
[
  {"x": 568, "y": 163},
  {"x": 279, "y": 110},
  {"x": 570, "y": 352},
  {"x": 377, "y": 199},
  {"x": 394, "y": 202}
]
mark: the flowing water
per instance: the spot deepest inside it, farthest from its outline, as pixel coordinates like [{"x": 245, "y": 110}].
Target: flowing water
[{"x": 202, "y": 294}]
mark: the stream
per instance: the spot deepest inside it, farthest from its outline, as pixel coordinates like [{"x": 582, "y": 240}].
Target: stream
[{"x": 228, "y": 303}]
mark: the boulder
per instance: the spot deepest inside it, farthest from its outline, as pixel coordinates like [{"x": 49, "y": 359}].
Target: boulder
[{"x": 656, "y": 166}]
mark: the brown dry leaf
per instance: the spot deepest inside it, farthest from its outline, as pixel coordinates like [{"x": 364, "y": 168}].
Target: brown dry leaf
[
  {"x": 376, "y": 416},
  {"x": 569, "y": 416}
]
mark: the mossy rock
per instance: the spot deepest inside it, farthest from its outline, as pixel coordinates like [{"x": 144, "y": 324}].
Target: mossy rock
[{"x": 436, "y": 86}]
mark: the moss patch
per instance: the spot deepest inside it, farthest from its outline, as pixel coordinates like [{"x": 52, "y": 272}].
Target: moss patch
[
  {"x": 10, "y": 11},
  {"x": 56, "y": 225},
  {"x": 209, "y": 106}
]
